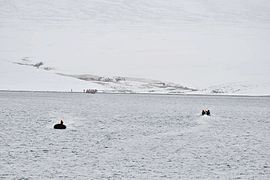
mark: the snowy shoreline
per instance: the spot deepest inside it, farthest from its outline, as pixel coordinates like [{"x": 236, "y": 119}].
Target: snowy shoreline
[{"x": 134, "y": 93}]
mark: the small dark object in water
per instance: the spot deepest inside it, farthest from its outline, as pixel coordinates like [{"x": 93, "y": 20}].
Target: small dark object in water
[
  {"x": 203, "y": 112},
  {"x": 207, "y": 112},
  {"x": 60, "y": 126}
]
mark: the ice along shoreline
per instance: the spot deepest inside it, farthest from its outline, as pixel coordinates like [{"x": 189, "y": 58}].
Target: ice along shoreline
[{"x": 137, "y": 93}]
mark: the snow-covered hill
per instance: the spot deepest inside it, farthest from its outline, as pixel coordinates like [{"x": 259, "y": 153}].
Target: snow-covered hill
[
  {"x": 119, "y": 12},
  {"x": 238, "y": 88},
  {"x": 16, "y": 77},
  {"x": 36, "y": 76},
  {"x": 195, "y": 43},
  {"x": 133, "y": 85}
]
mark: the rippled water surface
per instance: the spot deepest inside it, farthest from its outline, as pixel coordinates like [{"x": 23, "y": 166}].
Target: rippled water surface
[{"x": 114, "y": 136}]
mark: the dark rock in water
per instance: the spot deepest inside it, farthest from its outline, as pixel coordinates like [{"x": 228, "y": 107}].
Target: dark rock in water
[{"x": 59, "y": 126}]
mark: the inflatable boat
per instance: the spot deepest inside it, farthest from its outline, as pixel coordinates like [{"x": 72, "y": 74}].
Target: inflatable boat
[
  {"x": 60, "y": 126},
  {"x": 206, "y": 112}
]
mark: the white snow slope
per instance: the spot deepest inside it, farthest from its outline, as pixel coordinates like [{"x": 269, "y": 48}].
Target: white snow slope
[
  {"x": 195, "y": 43},
  {"x": 35, "y": 76}
]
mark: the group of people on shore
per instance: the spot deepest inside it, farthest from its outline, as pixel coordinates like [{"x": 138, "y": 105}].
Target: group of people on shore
[{"x": 91, "y": 91}]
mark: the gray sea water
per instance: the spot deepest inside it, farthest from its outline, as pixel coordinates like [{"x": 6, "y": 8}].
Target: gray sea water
[{"x": 120, "y": 136}]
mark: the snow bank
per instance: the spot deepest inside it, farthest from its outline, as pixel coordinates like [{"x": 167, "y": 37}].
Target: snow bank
[{"x": 14, "y": 77}]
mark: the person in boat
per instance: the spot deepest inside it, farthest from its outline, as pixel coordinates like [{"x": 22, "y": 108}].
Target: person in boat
[
  {"x": 207, "y": 112},
  {"x": 203, "y": 112},
  {"x": 60, "y": 126}
]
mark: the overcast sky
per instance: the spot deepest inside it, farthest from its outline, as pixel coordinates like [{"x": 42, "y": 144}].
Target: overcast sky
[{"x": 194, "y": 42}]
